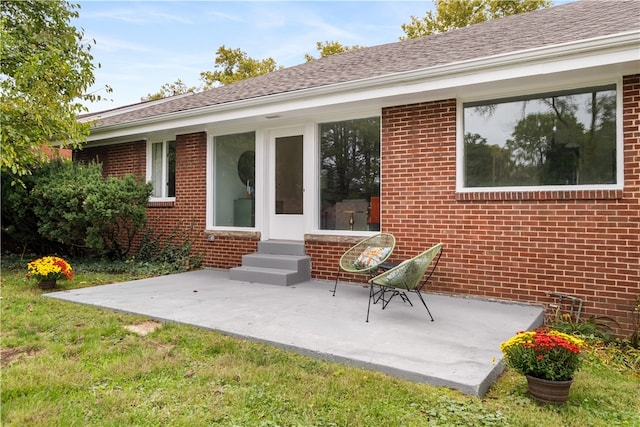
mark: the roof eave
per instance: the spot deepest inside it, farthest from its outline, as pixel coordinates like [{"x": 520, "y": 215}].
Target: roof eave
[{"x": 627, "y": 41}]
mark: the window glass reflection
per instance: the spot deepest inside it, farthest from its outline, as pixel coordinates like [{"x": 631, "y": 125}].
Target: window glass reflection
[
  {"x": 565, "y": 138},
  {"x": 350, "y": 175}
]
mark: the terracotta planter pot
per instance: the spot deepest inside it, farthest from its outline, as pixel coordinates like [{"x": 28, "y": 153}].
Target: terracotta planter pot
[
  {"x": 548, "y": 391},
  {"x": 47, "y": 284}
]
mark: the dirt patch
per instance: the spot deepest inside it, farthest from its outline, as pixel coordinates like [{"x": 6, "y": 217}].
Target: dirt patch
[
  {"x": 8, "y": 355},
  {"x": 144, "y": 328}
]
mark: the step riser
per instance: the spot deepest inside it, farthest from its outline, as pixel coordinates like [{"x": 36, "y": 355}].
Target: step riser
[
  {"x": 284, "y": 262},
  {"x": 247, "y": 274},
  {"x": 281, "y": 247}
]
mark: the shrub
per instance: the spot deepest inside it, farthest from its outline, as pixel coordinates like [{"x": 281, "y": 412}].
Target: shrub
[
  {"x": 58, "y": 202},
  {"x": 19, "y": 223},
  {"x": 71, "y": 208},
  {"x": 593, "y": 329},
  {"x": 116, "y": 212}
]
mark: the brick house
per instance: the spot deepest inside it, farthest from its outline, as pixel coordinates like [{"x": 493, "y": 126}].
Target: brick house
[{"x": 515, "y": 142}]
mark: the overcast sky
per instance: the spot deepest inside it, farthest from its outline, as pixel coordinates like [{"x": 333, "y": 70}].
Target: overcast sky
[{"x": 144, "y": 44}]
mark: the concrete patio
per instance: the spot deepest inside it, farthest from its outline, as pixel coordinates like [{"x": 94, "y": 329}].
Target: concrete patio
[{"x": 460, "y": 349}]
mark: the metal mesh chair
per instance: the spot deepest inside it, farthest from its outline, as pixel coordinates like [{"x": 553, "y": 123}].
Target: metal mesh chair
[
  {"x": 405, "y": 277},
  {"x": 366, "y": 256}
]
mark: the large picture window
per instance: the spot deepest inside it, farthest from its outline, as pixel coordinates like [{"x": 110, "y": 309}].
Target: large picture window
[
  {"x": 234, "y": 171},
  {"x": 557, "y": 139},
  {"x": 350, "y": 175},
  {"x": 163, "y": 169}
]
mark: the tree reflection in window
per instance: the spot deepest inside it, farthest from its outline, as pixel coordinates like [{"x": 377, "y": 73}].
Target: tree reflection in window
[
  {"x": 349, "y": 172},
  {"x": 566, "y": 138}
]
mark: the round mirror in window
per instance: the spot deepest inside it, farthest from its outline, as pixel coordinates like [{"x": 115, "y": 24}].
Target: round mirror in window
[{"x": 247, "y": 167}]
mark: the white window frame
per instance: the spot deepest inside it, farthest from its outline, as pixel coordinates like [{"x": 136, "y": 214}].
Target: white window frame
[
  {"x": 211, "y": 181},
  {"x": 460, "y": 188},
  {"x": 165, "y": 168}
]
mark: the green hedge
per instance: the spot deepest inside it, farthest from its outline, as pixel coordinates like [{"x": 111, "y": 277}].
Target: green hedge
[{"x": 71, "y": 208}]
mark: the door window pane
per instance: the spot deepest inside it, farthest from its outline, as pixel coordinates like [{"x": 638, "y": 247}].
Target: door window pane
[
  {"x": 350, "y": 175},
  {"x": 289, "y": 172},
  {"x": 234, "y": 171}
]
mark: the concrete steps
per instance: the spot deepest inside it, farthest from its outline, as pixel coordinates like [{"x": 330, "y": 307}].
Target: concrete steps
[{"x": 277, "y": 262}]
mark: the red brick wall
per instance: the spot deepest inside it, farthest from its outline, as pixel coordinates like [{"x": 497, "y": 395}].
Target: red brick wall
[
  {"x": 117, "y": 160},
  {"x": 325, "y": 257},
  {"x": 227, "y": 249}
]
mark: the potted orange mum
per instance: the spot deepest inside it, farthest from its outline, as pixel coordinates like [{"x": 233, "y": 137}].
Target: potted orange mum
[
  {"x": 548, "y": 359},
  {"x": 47, "y": 270}
]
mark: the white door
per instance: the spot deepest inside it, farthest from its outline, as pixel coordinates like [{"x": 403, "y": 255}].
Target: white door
[{"x": 286, "y": 178}]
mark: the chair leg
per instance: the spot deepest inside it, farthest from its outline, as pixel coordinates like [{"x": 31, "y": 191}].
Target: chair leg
[
  {"x": 385, "y": 302},
  {"x": 336, "y": 284},
  {"x": 371, "y": 294},
  {"x": 378, "y": 295},
  {"x": 425, "y": 304},
  {"x": 403, "y": 296}
]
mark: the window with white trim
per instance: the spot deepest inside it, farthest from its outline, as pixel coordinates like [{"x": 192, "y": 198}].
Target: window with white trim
[
  {"x": 566, "y": 138},
  {"x": 161, "y": 170}
]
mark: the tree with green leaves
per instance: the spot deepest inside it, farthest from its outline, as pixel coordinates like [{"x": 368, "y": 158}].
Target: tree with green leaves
[
  {"x": 329, "y": 48},
  {"x": 45, "y": 71},
  {"x": 232, "y": 65},
  {"x": 452, "y": 14},
  {"x": 170, "y": 89}
]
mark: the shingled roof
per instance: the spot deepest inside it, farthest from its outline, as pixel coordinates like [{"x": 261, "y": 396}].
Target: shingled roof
[{"x": 571, "y": 22}]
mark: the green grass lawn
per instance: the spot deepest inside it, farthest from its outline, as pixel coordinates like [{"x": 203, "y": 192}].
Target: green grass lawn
[{"x": 65, "y": 364}]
